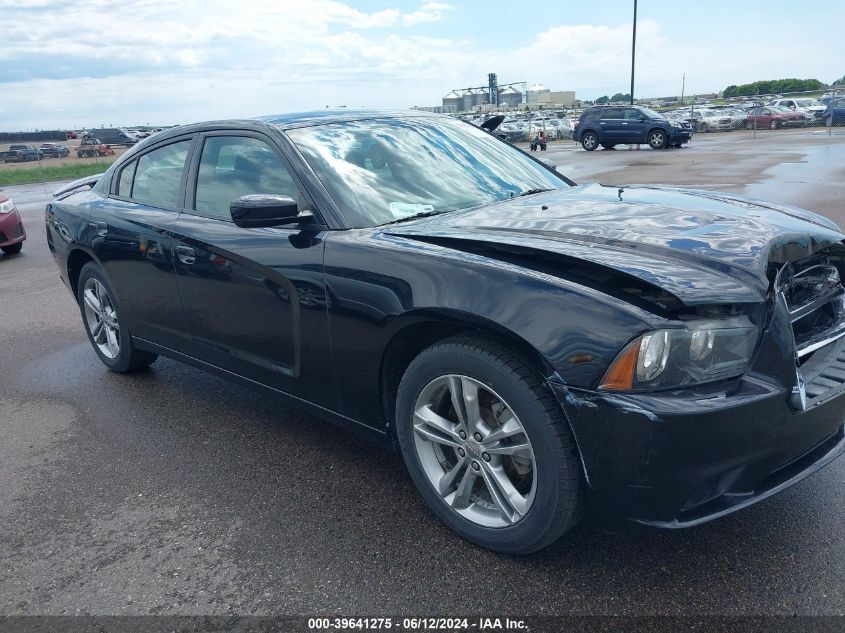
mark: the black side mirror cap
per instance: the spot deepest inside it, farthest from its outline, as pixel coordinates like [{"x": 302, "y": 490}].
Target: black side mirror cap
[{"x": 266, "y": 210}]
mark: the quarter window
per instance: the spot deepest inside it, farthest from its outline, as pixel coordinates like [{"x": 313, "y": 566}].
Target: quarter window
[
  {"x": 158, "y": 175},
  {"x": 124, "y": 183},
  {"x": 235, "y": 166}
]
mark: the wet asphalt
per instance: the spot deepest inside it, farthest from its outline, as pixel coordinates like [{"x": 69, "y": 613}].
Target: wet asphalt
[{"x": 174, "y": 492}]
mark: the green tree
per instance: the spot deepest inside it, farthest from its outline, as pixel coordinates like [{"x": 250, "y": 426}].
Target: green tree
[
  {"x": 603, "y": 99},
  {"x": 619, "y": 97},
  {"x": 773, "y": 86}
]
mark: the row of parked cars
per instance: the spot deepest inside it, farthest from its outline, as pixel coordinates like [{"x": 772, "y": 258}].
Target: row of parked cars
[
  {"x": 779, "y": 113},
  {"x": 94, "y": 143},
  {"x": 21, "y": 153}
]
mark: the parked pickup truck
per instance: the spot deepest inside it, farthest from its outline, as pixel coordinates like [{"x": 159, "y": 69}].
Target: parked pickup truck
[
  {"x": 91, "y": 147},
  {"x": 20, "y": 154}
]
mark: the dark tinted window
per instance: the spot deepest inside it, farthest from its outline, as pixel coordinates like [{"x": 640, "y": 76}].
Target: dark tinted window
[
  {"x": 235, "y": 166},
  {"x": 632, "y": 115},
  {"x": 159, "y": 175},
  {"x": 612, "y": 113},
  {"x": 124, "y": 182}
]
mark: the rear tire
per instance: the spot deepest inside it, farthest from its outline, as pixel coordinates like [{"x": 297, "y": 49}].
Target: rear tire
[
  {"x": 110, "y": 339},
  {"x": 533, "y": 458},
  {"x": 590, "y": 141},
  {"x": 12, "y": 249}
]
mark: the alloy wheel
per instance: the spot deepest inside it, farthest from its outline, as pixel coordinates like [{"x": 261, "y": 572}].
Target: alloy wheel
[
  {"x": 657, "y": 139},
  {"x": 101, "y": 318},
  {"x": 474, "y": 451}
]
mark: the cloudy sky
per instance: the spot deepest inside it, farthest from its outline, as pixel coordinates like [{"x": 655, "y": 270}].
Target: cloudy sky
[{"x": 126, "y": 62}]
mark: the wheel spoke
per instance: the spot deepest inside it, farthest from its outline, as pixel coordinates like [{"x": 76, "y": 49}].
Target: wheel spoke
[
  {"x": 510, "y": 428},
  {"x": 435, "y": 428},
  {"x": 447, "y": 481},
  {"x": 517, "y": 449},
  {"x": 91, "y": 300},
  {"x": 111, "y": 340},
  {"x": 469, "y": 396},
  {"x": 456, "y": 394},
  {"x": 510, "y": 503},
  {"x": 461, "y": 497},
  {"x": 97, "y": 332}
]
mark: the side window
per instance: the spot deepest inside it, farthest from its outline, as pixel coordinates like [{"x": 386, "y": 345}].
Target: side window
[
  {"x": 235, "y": 166},
  {"x": 611, "y": 113},
  {"x": 632, "y": 115},
  {"x": 158, "y": 175},
  {"x": 124, "y": 182}
]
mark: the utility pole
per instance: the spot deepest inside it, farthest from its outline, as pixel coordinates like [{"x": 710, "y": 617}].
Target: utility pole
[
  {"x": 633, "y": 51},
  {"x": 683, "y": 85}
]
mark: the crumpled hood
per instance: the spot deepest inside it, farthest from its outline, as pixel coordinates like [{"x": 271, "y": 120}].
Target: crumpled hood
[{"x": 701, "y": 246}]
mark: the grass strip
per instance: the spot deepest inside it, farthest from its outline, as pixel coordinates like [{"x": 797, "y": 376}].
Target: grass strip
[{"x": 51, "y": 173}]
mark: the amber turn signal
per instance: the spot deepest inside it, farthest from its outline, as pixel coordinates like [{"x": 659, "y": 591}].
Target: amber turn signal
[{"x": 620, "y": 375}]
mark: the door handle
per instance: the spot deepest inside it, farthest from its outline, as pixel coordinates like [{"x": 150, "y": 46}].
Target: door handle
[{"x": 186, "y": 254}]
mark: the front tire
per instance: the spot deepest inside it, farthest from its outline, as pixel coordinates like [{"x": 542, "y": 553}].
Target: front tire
[
  {"x": 101, "y": 317},
  {"x": 589, "y": 141},
  {"x": 657, "y": 139},
  {"x": 488, "y": 447}
]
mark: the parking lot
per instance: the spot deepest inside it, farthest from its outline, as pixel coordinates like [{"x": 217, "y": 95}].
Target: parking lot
[{"x": 174, "y": 492}]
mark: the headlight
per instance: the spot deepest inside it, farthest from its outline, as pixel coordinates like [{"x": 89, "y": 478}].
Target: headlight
[
  {"x": 704, "y": 351},
  {"x": 675, "y": 124},
  {"x": 6, "y": 207}
]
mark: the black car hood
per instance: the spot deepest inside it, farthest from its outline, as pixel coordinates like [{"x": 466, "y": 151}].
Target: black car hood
[{"x": 700, "y": 246}]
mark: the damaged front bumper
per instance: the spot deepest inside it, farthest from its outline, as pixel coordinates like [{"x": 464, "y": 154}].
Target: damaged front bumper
[{"x": 680, "y": 458}]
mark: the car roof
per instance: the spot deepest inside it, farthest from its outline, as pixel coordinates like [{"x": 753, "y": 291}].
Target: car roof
[{"x": 296, "y": 120}]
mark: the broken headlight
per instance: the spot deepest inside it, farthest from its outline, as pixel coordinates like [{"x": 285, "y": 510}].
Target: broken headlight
[{"x": 703, "y": 351}]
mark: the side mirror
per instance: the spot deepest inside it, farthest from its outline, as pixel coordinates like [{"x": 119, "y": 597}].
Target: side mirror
[
  {"x": 265, "y": 210},
  {"x": 642, "y": 118}
]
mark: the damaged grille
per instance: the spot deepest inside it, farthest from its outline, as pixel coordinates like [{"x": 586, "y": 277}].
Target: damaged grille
[{"x": 815, "y": 299}]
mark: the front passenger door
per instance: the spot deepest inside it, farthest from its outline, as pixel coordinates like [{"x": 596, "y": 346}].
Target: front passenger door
[{"x": 254, "y": 298}]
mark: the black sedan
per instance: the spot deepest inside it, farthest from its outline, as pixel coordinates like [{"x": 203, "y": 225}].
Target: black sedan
[{"x": 534, "y": 349}]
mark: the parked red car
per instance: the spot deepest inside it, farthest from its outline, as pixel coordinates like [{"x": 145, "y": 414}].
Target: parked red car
[
  {"x": 12, "y": 233},
  {"x": 773, "y": 117},
  {"x": 71, "y": 134}
]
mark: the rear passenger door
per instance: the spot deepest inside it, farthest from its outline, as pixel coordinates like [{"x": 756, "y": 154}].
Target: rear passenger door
[
  {"x": 133, "y": 243},
  {"x": 611, "y": 129},
  {"x": 255, "y": 298}
]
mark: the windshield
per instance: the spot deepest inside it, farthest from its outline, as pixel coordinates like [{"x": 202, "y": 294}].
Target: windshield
[
  {"x": 383, "y": 170},
  {"x": 651, "y": 113}
]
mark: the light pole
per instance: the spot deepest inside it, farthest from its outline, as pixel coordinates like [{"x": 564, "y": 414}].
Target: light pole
[{"x": 633, "y": 51}]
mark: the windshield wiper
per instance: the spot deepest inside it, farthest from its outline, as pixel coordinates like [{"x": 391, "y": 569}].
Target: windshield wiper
[
  {"x": 530, "y": 192},
  {"x": 422, "y": 214}
]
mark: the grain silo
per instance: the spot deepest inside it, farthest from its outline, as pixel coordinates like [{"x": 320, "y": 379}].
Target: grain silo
[{"x": 453, "y": 102}]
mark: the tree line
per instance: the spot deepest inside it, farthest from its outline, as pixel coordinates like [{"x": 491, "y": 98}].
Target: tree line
[
  {"x": 773, "y": 86},
  {"x": 617, "y": 98}
]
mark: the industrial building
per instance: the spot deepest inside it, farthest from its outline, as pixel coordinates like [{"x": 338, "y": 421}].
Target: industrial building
[{"x": 510, "y": 96}]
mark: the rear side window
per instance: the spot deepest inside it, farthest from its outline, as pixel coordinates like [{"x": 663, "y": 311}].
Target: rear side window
[
  {"x": 158, "y": 175},
  {"x": 124, "y": 182},
  {"x": 235, "y": 166},
  {"x": 612, "y": 113}
]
